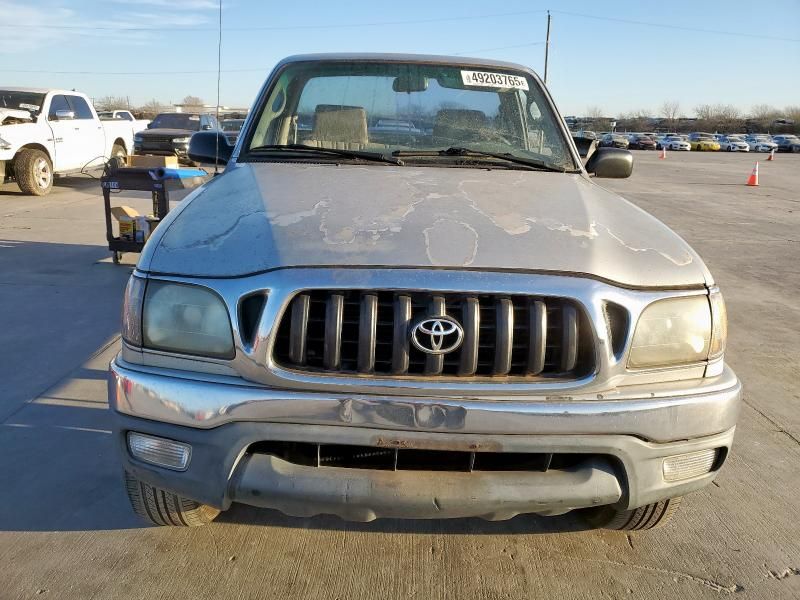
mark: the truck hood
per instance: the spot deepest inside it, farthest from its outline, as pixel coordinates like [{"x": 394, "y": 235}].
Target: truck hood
[
  {"x": 262, "y": 216},
  {"x": 145, "y": 133},
  {"x": 13, "y": 113}
]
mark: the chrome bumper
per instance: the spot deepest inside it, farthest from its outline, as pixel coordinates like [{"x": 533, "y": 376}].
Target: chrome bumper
[
  {"x": 625, "y": 442},
  {"x": 702, "y": 408}
]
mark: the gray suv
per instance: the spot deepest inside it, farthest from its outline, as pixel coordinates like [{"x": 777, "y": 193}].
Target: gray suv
[{"x": 457, "y": 324}]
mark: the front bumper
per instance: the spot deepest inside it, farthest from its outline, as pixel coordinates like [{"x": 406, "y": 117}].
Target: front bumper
[{"x": 624, "y": 442}]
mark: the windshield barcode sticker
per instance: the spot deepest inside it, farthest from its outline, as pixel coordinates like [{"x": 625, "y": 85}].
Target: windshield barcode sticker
[{"x": 495, "y": 80}]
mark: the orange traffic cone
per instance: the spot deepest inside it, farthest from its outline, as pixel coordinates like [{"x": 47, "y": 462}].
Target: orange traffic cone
[
  {"x": 663, "y": 152},
  {"x": 771, "y": 154},
  {"x": 753, "y": 179}
]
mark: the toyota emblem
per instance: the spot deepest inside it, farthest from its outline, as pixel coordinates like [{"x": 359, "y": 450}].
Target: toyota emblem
[{"x": 437, "y": 335}]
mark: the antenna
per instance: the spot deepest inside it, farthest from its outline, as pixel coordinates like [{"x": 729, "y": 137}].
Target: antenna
[{"x": 219, "y": 74}]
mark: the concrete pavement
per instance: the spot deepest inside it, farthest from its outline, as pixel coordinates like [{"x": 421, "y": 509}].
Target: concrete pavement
[{"x": 66, "y": 530}]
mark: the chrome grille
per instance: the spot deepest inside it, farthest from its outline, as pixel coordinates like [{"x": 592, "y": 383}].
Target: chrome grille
[{"x": 368, "y": 332}]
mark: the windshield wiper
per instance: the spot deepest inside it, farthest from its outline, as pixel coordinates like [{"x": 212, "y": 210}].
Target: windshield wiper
[
  {"x": 532, "y": 163},
  {"x": 373, "y": 156}
]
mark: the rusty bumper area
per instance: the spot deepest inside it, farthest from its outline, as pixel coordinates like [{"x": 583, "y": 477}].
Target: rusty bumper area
[
  {"x": 361, "y": 495},
  {"x": 657, "y": 413}
]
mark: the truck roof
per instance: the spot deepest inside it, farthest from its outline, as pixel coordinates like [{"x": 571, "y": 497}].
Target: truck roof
[
  {"x": 390, "y": 57},
  {"x": 39, "y": 90}
]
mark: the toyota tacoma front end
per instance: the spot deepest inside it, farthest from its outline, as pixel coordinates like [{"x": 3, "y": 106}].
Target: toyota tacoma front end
[{"x": 443, "y": 320}]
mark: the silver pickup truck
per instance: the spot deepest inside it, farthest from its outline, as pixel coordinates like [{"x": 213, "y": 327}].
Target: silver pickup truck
[{"x": 446, "y": 319}]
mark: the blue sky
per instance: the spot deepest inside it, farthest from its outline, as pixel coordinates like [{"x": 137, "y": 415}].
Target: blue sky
[{"x": 619, "y": 62}]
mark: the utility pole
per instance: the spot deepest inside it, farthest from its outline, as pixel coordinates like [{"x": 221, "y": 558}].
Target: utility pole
[{"x": 547, "y": 47}]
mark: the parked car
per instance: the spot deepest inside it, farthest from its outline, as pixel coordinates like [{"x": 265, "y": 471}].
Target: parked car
[
  {"x": 787, "y": 143},
  {"x": 703, "y": 141},
  {"x": 394, "y": 131},
  {"x": 585, "y": 133},
  {"x": 469, "y": 326},
  {"x": 49, "y": 132},
  {"x": 614, "y": 140},
  {"x": 169, "y": 134},
  {"x": 231, "y": 128},
  {"x": 124, "y": 115},
  {"x": 640, "y": 141},
  {"x": 733, "y": 143},
  {"x": 761, "y": 142},
  {"x": 674, "y": 142}
]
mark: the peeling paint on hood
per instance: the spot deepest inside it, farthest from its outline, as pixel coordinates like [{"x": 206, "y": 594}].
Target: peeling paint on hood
[{"x": 260, "y": 216}]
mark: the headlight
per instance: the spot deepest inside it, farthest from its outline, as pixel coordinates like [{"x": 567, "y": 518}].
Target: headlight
[
  {"x": 183, "y": 140},
  {"x": 187, "y": 319},
  {"x": 672, "y": 332},
  {"x": 138, "y": 139},
  {"x": 719, "y": 325}
]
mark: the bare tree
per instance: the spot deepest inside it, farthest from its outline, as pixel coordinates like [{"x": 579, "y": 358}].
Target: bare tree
[
  {"x": 111, "y": 103},
  {"x": 594, "y": 112},
  {"x": 764, "y": 112},
  {"x": 719, "y": 117},
  {"x": 152, "y": 108},
  {"x": 670, "y": 110},
  {"x": 192, "y": 102}
]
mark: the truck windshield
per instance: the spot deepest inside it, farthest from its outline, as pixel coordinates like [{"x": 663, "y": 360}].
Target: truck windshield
[
  {"x": 30, "y": 101},
  {"x": 176, "y": 121},
  {"x": 406, "y": 107}
]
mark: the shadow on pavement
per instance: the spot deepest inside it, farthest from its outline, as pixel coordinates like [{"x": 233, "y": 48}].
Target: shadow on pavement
[
  {"x": 59, "y": 470},
  {"x": 82, "y": 183}
]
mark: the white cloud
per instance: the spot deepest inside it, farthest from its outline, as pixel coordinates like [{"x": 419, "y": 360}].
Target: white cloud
[
  {"x": 45, "y": 26},
  {"x": 175, "y": 4}
]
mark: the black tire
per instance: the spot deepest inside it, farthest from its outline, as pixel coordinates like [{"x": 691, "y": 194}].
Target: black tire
[
  {"x": 33, "y": 171},
  {"x": 161, "y": 507},
  {"x": 649, "y": 516}
]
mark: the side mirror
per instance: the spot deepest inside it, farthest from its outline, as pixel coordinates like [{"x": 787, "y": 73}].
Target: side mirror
[
  {"x": 210, "y": 147},
  {"x": 613, "y": 163},
  {"x": 64, "y": 115}
]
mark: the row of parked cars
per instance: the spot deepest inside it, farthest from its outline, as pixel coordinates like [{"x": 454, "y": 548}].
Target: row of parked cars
[{"x": 698, "y": 141}]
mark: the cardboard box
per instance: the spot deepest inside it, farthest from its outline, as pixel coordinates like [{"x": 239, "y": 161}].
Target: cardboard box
[
  {"x": 148, "y": 161},
  {"x": 127, "y": 221}
]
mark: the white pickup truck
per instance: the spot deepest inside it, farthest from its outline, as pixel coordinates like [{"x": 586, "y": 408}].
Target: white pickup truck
[
  {"x": 49, "y": 132},
  {"x": 124, "y": 115}
]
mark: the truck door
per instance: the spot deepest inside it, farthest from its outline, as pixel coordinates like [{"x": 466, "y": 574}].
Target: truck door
[
  {"x": 66, "y": 140},
  {"x": 91, "y": 143}
]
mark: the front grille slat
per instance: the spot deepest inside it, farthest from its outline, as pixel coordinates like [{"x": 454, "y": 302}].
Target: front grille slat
[
  {"x": 470, "y": 320},
  {"x": 569, "y": 345},
  {"x": 332, "y": 353},
  {"x": 504, "y": 333},
  {"x": 368, "y": 332},
  {"x": 538, "y": 337},
  {"x": 402, "y": 321},
  {"x": 299, "y": 329}
]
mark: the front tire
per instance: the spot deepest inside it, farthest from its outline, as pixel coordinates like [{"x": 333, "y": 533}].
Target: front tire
[
  {"x": 648, "y": 516},
  {"x": 33, "y": 171},
  {"x": 160, "y": 507}
]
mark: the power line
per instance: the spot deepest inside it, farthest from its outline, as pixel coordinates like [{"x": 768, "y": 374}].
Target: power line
[
  {"x": 275, "y": 27},
  {"x": 676, "y": 27},
  {"x": 203, "y": 72}
]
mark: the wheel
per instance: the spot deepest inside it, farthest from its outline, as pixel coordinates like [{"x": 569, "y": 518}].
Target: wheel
[
  {"x": 118, "y": 151},
  {"x": 33, "y": 172},
  {"x": 161, "y": 507},
  {"x": 649, "y": 516}
]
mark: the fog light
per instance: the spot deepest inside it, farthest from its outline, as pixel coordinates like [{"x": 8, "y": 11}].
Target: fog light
[
  {"x": 158, "y": 451},
  {"x": 686, "y": 466}
]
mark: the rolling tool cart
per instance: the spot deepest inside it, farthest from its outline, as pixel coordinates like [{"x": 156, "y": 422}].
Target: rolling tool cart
[{"x": 159, "y": 182}]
